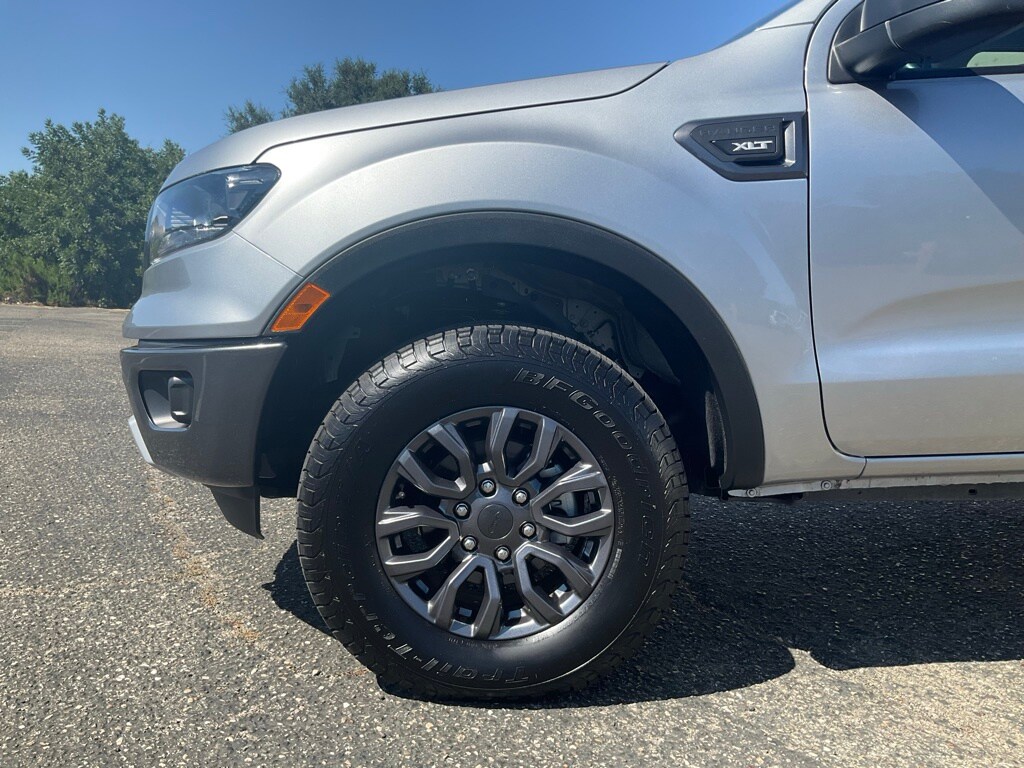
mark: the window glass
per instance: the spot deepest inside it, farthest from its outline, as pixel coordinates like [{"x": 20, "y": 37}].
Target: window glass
[{"x": 1001, "y": 54}]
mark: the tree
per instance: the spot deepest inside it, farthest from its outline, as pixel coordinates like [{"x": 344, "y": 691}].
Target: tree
[
  {"x": 352, "y": 81},
  {"x": 71, "y": 229},
  {"x": 248, "y": 115}
]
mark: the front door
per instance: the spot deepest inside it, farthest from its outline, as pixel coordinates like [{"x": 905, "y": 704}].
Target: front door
[{"x": 917, "y": 254}]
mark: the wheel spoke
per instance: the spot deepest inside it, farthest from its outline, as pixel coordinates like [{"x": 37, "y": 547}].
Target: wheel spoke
[
  {"x": 405, "y": 567},
  {"x": 498, "y": 431},
  {"x": 584, "y": 525},
  {"x": 582, "y": 477},
  {"x": 490, "y": 608},
  {"x": 441, "y": 607},
  {"x": 399, "y": 519},
  {"x": 577, "y": 575},
  {"x": 449, "y": 438},
  {"x": 539, "y": 605},
  {"x": 413, "y": 470},
  {"x": 395, "y": 521},
  {"x": 545, "y": 440}
]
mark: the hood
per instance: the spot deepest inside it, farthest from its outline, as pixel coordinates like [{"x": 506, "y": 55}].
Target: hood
[{"x": 246, "y": 146}]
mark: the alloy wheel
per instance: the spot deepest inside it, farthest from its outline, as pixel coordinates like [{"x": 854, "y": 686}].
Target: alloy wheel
[{"x": 495, "y": 523}]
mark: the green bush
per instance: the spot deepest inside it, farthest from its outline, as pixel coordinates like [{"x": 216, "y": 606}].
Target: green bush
[{"x": 72, "y": 228}]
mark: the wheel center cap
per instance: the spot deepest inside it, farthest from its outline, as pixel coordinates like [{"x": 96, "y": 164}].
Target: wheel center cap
[{"x": 495, "y": 521}]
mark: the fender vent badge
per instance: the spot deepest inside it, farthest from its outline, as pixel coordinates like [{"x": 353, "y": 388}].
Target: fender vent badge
[{"x": 751, "y": 148}]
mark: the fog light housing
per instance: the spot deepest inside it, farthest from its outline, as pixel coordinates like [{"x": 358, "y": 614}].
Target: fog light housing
[{"x": 169, "y": 397}]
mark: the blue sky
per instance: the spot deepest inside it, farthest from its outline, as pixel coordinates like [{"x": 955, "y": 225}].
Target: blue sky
[{"x": 172, "y": 68}]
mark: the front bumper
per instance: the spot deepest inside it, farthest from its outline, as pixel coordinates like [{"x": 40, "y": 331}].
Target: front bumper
[{"x": 196, "y": 413}]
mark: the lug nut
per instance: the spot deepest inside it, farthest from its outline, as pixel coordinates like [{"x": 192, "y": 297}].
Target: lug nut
[
  {"x": 469, "y": 543},
  {"x": 487, "y": 487},
  {"x": 502, "y": 553},
  {"x": 462, "y": 509},
  {"x": 528, "y": 530},
  {"x": 520, "y": 497}
]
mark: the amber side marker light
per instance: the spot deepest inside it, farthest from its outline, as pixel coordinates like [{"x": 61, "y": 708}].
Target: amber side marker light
[{"x": 302, "y": 306}]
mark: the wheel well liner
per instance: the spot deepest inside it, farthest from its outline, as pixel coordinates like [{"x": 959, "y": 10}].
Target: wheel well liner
[{"x": 741, "y": 417}]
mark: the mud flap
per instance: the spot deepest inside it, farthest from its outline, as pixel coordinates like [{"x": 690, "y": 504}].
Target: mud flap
[{"x": 241, "y": 508}]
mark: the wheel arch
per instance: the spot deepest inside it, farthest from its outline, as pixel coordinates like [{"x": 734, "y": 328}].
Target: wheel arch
[{"x": 667, "y": 303}]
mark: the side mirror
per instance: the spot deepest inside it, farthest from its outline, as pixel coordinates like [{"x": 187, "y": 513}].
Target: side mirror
[{"x": 882, "y": 36}]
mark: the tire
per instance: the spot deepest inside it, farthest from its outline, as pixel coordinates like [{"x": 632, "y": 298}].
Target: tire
[{"x": 554, "y": 629}]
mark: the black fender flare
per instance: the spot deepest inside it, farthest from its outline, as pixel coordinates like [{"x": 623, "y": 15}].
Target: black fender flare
[{"x": 744, "y": 443}]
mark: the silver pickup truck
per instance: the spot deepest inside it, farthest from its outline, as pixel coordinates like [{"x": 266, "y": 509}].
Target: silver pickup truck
[{"x": 492, "y": 339}]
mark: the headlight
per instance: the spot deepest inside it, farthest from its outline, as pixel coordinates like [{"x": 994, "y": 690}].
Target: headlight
[{"x": 204, "y": 207}]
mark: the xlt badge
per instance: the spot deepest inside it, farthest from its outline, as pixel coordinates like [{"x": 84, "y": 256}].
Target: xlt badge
[{"x": 766, "y": 145}]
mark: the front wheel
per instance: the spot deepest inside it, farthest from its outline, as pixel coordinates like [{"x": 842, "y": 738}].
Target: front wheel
[{"x": 493, "y": 511}]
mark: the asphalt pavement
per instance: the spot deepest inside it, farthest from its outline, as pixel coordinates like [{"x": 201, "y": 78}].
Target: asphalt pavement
[{"x": 138, "y": 628}]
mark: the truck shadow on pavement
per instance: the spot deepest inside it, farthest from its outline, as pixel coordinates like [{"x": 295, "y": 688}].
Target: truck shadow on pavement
[{"x": 854, "y": 585}]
